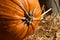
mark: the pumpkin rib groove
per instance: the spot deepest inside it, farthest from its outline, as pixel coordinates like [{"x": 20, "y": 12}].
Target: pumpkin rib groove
[
  {"x": 27, "y": 4},
  {"x": 9, "y": 18},
  {"x": 32, "y": 26},
  {"x": 28, "y": 30},
  {"x": 17, "y": 4},
  {"x": 24, "y": 33}
]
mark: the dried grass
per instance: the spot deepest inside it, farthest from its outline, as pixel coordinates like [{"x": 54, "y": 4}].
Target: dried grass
[{"x": 48, "y": 29}]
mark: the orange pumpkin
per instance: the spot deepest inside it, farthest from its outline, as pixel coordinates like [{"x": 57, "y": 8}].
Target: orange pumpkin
[{"x": 19, "y": 17}]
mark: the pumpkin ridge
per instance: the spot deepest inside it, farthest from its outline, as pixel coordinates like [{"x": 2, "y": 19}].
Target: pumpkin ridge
[{"x": 7, "y": 9}]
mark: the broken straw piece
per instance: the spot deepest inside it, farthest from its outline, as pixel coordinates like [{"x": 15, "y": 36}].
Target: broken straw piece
[{"x": 46, "y": 12}]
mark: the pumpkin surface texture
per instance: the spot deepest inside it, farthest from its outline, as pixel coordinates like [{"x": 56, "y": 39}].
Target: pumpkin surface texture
[{"x": 18, "y": 18}]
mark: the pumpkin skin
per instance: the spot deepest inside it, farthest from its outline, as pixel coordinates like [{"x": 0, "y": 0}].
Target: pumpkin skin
[{"x": 16, "y": 17}]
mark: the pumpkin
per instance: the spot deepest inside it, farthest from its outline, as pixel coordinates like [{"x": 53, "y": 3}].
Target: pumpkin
[{"x": 19, "y": 17}]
